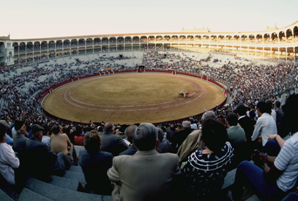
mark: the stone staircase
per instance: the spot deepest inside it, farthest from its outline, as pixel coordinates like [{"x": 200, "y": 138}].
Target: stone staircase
[{"x": 72, "y": 186}]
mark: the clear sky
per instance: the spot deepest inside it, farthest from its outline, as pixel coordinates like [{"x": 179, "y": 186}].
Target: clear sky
[{"x": 44, "y": 18}]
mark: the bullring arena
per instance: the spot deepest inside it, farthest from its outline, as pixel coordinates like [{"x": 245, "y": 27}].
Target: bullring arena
[
  {"x": 129, "y": 98},
  {"x": 83, "y": 83}
]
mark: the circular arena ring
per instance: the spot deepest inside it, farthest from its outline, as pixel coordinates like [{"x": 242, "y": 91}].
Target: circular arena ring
[{"x": 131, "y": 97}]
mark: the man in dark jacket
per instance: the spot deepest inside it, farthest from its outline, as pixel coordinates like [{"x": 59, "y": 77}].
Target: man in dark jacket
[
  {"x": 180, "y": 136},
  {"x": 41, "y": 162},
  {"x": 110, "y": 142}
]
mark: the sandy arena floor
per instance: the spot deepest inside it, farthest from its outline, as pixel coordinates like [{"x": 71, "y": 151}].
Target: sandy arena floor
[{"x": 132, "y": 98}]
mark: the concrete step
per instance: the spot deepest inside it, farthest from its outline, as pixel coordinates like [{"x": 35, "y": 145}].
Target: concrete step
[
  {"x": 75, "y": 169},
  {"x": 71, "y": 184},
  {"x": 58, "y": 193},
  {"x": 76, "y": 176},
  {"x": 4, "y": 196},
  {"x": 229, "y": 179},
  {"x": 27, "y": 194}
]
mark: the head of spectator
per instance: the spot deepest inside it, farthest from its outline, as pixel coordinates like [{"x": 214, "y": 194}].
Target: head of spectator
[
  {"x": 3, "y": 128},
  {"x": 92, "y": 141},
  {"x": 20, "y": 126},
  {"x": 232, "y": 119},
  {"x": 262, "y": 107},
  {"x": 145, "y": 137},
  {"x": 186, "y": 125},
  {"x": 172, "y": 127},
  {"x": 99, "y": 128},
  {"x": 160, "y": 134},
  {"x": 129, "y": 133},
  {"x": 56, "y": 129},
  {"x": 290, "y": 113},
  {"x": 277, "y": 105},
  {"x": 214, "y": 134},
  {"x": 109, "y": 128},
  {"x": 241, "y": 110},
  {"x": 37, "y": 131},
  {"x": 269, "y": 106},
  {"x": 208, "y": 115}
]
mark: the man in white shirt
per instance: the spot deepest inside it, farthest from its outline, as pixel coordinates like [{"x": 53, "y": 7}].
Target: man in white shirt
[
  {"x": 265, "y": 125},
  {"x": 8, "y": 160}
]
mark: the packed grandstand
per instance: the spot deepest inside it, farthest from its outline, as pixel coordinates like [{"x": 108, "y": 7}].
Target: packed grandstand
[{"x": 85, "y": 164}]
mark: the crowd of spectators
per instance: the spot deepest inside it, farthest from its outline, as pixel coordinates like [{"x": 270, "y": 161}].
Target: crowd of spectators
[{"x": 192, "y": 154}]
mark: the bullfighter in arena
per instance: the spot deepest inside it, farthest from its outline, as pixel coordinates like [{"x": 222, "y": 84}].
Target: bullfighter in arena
[{"x": 184, "y": 94}]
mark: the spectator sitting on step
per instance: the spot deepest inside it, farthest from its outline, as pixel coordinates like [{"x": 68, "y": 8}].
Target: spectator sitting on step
[
  {"x": 41, "y": 162},
  {"x": 95, "y": 164},
  {"x": 164, "y": 145},
  {"x": 129, "y": 137},
  {"x": 61, "y": 143},
  {"x": 193, "y": 141},
  {"x": 19, "y": 139},
  {"x": 146, "y": 175},
  {"x": 236, "y": 136},
  {"x": 204, "y": 173},
  {"x": 180, "y": 136},
  {"x": 110, "y": 142},
  {"x": 8, "y": 160},
  {"x": 276, "y": 181}
]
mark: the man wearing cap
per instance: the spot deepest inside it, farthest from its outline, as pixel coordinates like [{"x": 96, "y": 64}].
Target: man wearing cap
[
  {"x": 8, "y": 160},
  {"x": 19, "y": 139},
  {"x": 40, "y": 160}
]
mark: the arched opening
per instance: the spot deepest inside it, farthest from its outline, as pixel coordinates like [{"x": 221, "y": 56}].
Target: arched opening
[
  {"x": 282, "y": 36},
  {"x": 143, "y": 39},
  {"x": 274, "y": 37},
  {"x": 135, "y": 39},
  {"x": 96, "y": 41},
  {"x": 174, "y": 38},
  {"x": 51, "y": 45},
  {"x": 289, "y": 36},
  {"x": 197, "y": 38},
  {"x": 295, "y": 33},
  {"x": 29, "y": 47},
  {"x": 151, "y": 39},
  {"x": 112, "y": 40},
  {"x": 89, "y": 42},
  {"x": 22, "y": 47},
  {"x": 252, "y": 38},
  {"x": 105, "y": 41},
  {"x": 182, "y": 38},
  {"x": 16, "y": 47},
  {"x": 243, "y": 38},
  {"x": 44, "y": 45},
  {"x": 166, "y": 38},
  {"x": 36, "y": 46},
  {"x": 228, "y": 38},
  {"x": 66, "y": 44},
  {"x": 236, "y": 38},
  {"x": 127, "y": 39},
  {"x": 190, "y": 38},
  {"x": 259, "y": 38},
  {"x": 159, "y": 39},
  {"x": 267, "y": 38},
  {"x": 74, "y": 43},
  {"x": 81, "y": 42},
  {"x": 205, "y": 37},
  {"x": 120, "y": 40},
  {"x": 59, "y": 44}
]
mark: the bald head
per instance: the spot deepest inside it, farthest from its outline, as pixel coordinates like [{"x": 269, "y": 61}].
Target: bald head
[
  {"x": 208, "y": 115},
  {"x": 186, "y": 124},
  {"x": 129, "y": 132},
  {"x": 108, "y": 127}
]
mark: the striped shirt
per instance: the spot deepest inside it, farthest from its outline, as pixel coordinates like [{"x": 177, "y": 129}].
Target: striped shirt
[{"x": 287, "y": 161}]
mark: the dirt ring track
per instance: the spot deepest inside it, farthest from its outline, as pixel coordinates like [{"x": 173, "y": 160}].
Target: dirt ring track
[{"x": 128, "y": 98}]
